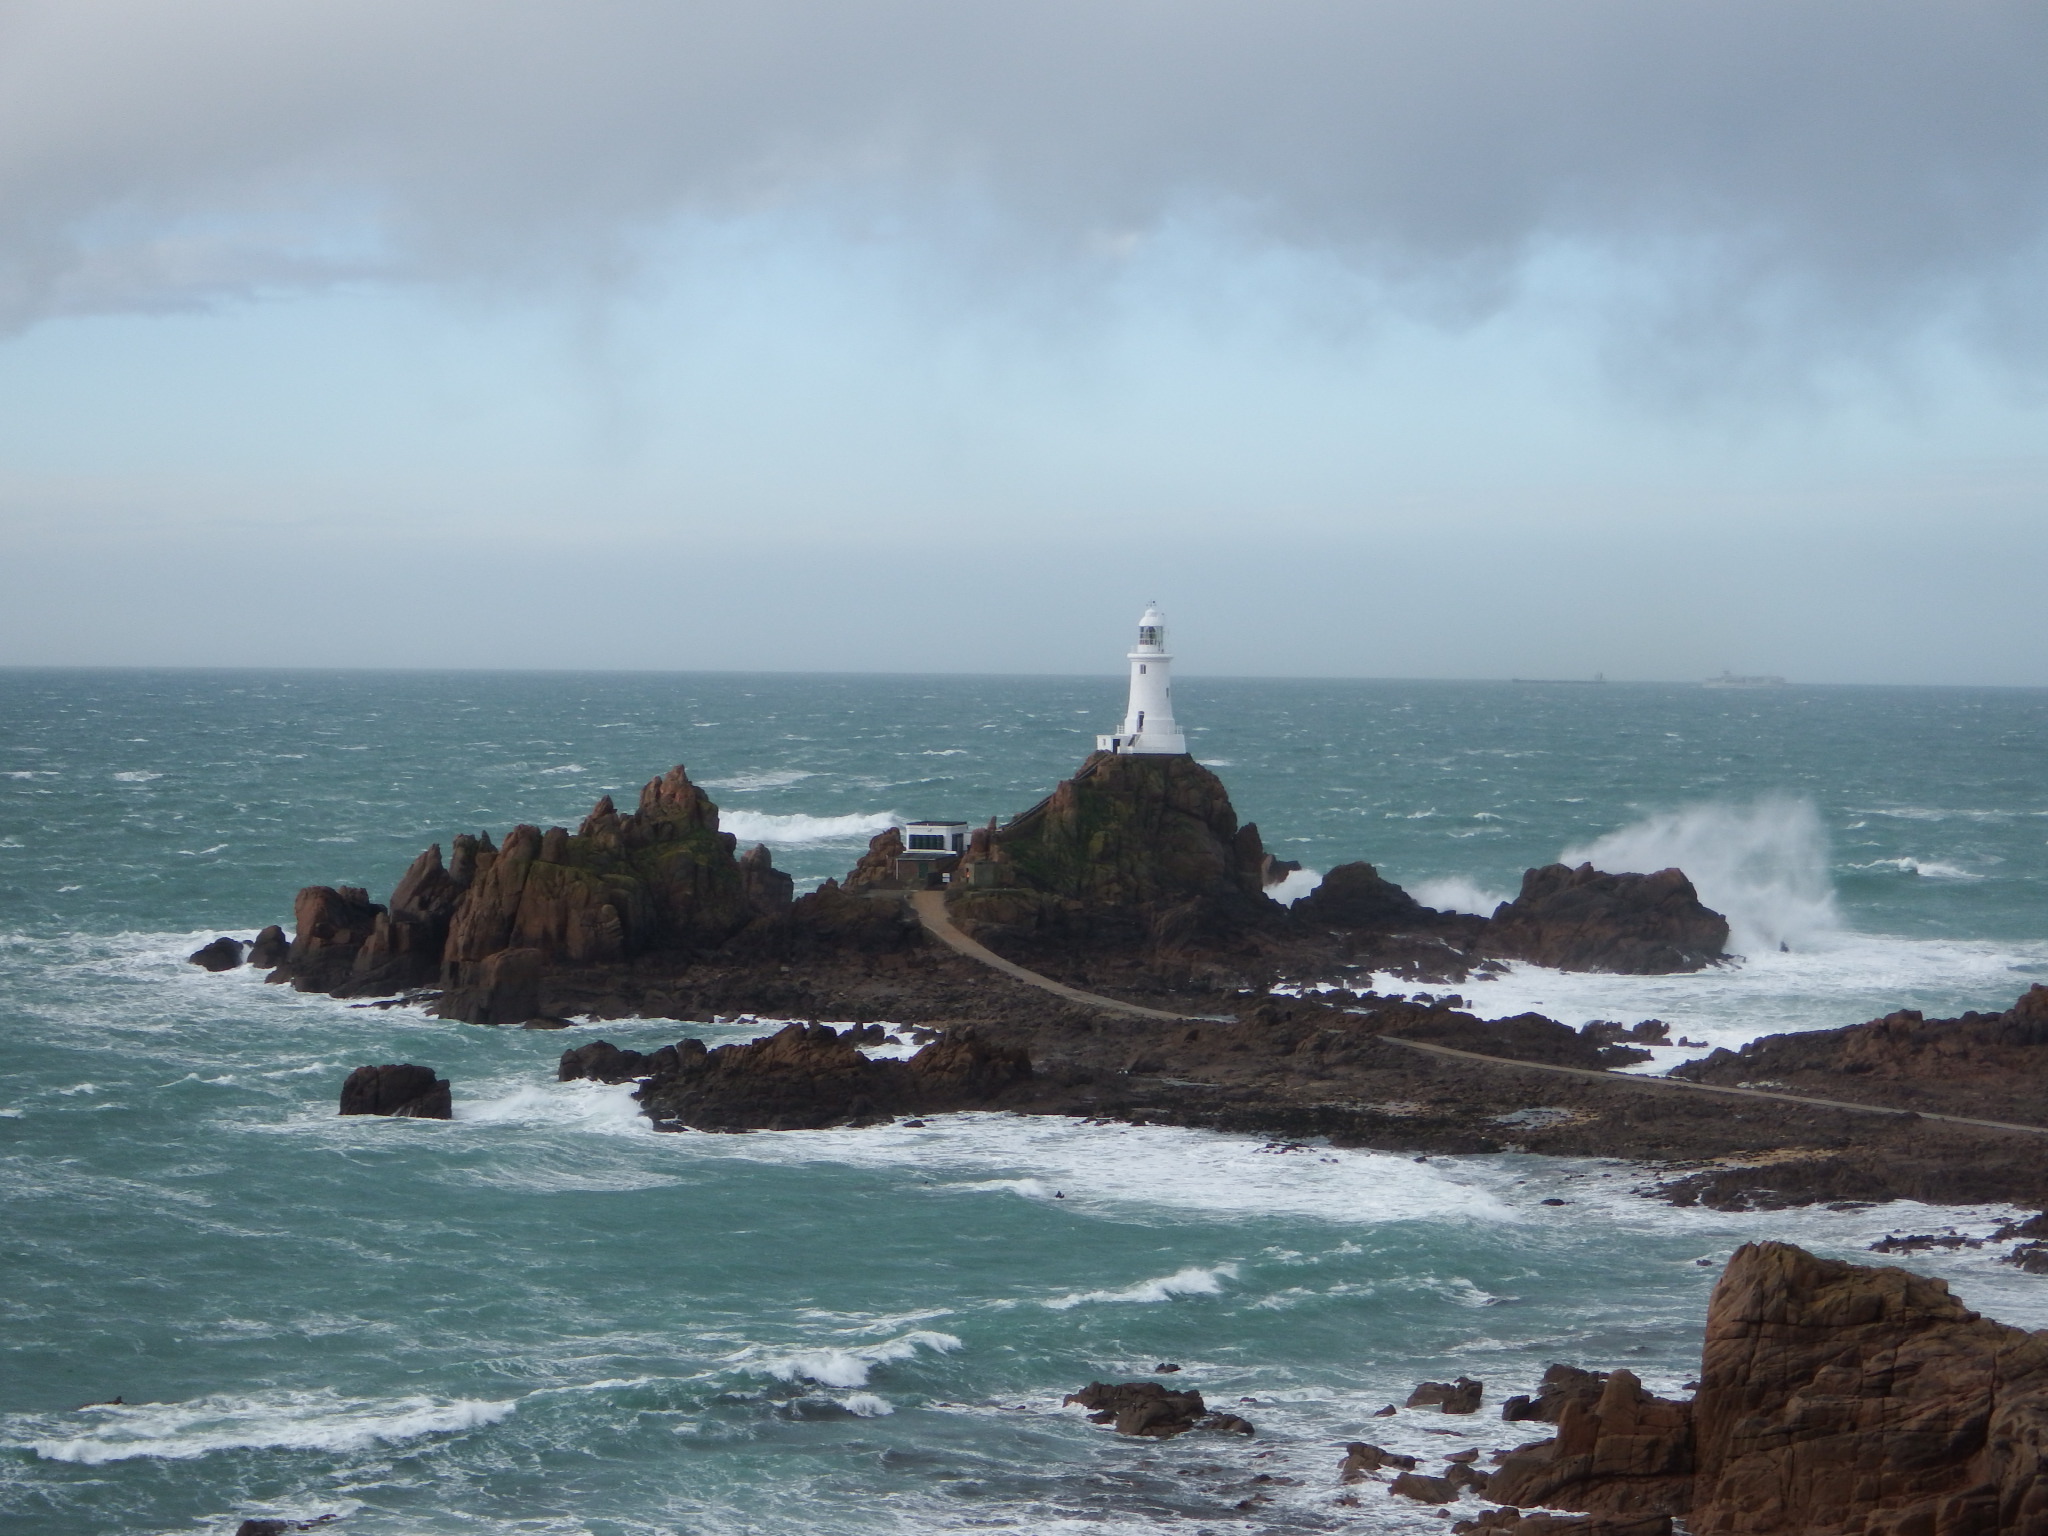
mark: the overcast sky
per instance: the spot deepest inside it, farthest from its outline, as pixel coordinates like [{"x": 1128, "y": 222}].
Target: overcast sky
[{"x": 1460, "y": 338}]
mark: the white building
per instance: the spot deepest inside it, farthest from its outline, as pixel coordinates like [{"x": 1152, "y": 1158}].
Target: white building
[
  {"x": 1148, "y": 722},
  {"x": 935, "y": 837}
]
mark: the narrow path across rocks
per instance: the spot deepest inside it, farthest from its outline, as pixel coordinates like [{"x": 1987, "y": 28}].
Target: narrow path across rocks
[{"x": 930, "y": 907}]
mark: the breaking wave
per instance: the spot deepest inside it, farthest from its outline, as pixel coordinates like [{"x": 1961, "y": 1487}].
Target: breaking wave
[
  {"x": 849, "y": 1367},
  {"x": 1454, "y": 893},
  {"x": 1763, "y": 865},
  {"x": 1185, "y": 1282},
  {"x": 765, "y": 827},
  {"x": 295, "y": 1421}
]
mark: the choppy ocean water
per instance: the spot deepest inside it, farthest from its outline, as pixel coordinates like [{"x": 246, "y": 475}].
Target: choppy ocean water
[{"x": 542, "y": 1317}]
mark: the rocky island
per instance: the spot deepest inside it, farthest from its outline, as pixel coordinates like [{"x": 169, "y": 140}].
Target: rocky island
[{"x": 1112, "y": 952}]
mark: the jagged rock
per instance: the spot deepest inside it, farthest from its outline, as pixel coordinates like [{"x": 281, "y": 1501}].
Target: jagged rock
[
  {"x": 405, "y": 945},
  {"x": 405, "y": 1090},
  {"x": 766, "y": 890},
  {"x": 502, "y": 988},
  {"x": 876, "y": 869},
  {"x": 1425, "y": 1489},
  {"x": 602, "y": 1062},
  {"x": 1146, "y": 1408},
  {"x": 1584, "y": 920},
  {"x": 1356, "y": 896},
  {"x": 1561, "y": 1384},
  {"x": 1991, "y": 1065},
  {"x": 1362, "y": 1457},
  {"x": 1460, "y": 1396},
  {"x": 1627, "y": 1453},
  {"x": 1838, "y": 1398},
  {"x": 223, "y": 954},
  {"x": 332, "y": 923},
  {"x": 271, "y": 949},
  {"x": 1512, "y": 1522},
  {"x": 808, "y": 1076}
]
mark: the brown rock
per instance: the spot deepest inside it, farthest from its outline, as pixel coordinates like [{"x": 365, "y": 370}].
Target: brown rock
[
  {"x": 1146, "y": 1408},
  {"x": 1424, "y": 1489},
  {"x": 404, "y": 1090},
  {"x": 502, "y": 988},
  {"x": 1356, "y": 896},
  {"x": 1362, "y": 1457},
  {"x": 1837, "y": 1398},
  {"x": 1460, "y": 1396},
  {"x": 332, "y": 925},
  {"x": 1628, "y": 1453},
  {"x": 766, "y": 890},
  {"x": 1561, "y": 1384},
  {"x": 271, "y": 949},
  {"x": 1584, "y": 920},
  {"x": 223, "y": 954}
]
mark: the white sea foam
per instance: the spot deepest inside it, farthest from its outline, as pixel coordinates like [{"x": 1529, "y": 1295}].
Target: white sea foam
[
  {"x": 1297, "y": 885},
  {"x": 1192, "y": 1281},
  {"x": 136, "y": 776},
  {"x": 797, "y": 829},
  {"x": 1131, "y": 1167},
  {"x": 305, "y": 1421},
  {"x": 565, "y": 768},
  {"x": 1931, "y": 869},
  {"x": 747, "y": 783},
  {"x": 1840, "y": 978},
  {"x": 1763, "y": 865},
  {"x": 1454, "y": 893},
  {"x": 850, "y": 1365},
  {"x": 606, "y": 1108}
]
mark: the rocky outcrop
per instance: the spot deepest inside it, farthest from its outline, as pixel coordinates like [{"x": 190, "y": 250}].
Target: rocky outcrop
[
  {"x": 1357, "y": 896},
  {"x": 1362, "y": 1458},
  {"x": 271, "y": 949},
  {"x": 1148, "y": 1409},
  {"x": 490, "y": 924},
  {"x": 1990, "y": 1065},
  {"x": 808, "y": 1076},
  {"x": 1460, "y": 1396},
  {"x": 1134, "y": 851},
  {"x": 331, "y": 925},
  {"x": 1839, "y": 1398},
  {"x": 1624, "y": 1453},
  {"x": 1834, "y": 1400},
  {"x": 223, "y": 954},
  {"x": 1585, "y": 920},
  {"x": 1561, "y": 1384},
  {"x": 404, "y": 1090}
]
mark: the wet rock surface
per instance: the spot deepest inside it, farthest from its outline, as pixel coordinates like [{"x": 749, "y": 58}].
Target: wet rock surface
[
  {"x": 1585, "y": 920},
  {"x": 1990, "y": 1065},
  {"x": 1460, "y": 1396},
  {"x": 1834, "y": 1400},
  {"x": 403, "y": 1090},
  {"x": 223, "y": 954},
  {"x": 807, "y": 1076},
  {"x": 1148, "y": 1409}
]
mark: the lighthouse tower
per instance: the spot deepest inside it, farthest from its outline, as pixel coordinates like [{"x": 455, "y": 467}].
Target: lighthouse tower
[{"x": 1148, "y": 723}]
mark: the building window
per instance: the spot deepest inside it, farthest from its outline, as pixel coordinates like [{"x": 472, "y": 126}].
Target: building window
[{"x": 931, "y": 841}]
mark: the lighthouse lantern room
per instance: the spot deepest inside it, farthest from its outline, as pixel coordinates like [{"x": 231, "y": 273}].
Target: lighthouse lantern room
[{"x": 1148, "y": 723}]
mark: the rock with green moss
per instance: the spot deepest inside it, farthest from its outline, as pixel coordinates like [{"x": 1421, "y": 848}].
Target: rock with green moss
[{"x": 1133, "y": 849}]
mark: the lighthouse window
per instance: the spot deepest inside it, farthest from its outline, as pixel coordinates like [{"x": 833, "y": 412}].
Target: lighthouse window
[
  {"x": 1141, "y": 669},
  {"x": 1148, "y": 634}
]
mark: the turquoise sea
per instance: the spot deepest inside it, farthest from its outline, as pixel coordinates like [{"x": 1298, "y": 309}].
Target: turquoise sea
[{"x": 542, "y": 1317}]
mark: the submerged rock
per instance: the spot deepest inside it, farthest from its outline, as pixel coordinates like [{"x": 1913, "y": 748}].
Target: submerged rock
[
  {"x": 1586, "y": 920},
  {"x": 403, "y": 1090},
  {"x": 223, "y": 954}
]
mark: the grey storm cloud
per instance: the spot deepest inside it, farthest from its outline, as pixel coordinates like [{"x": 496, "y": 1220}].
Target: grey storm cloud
[{"x": 1815, "y": 161}]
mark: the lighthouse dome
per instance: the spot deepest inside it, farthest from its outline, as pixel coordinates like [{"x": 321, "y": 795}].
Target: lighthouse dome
[{"x": 1152, "y": 630}]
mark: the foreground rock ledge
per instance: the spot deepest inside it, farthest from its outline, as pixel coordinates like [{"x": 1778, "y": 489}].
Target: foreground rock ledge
[{"x": 1835, "y": 1400}]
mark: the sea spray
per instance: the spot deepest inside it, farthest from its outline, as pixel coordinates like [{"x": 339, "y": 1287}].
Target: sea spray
[{"x": 1763, "y": 865}]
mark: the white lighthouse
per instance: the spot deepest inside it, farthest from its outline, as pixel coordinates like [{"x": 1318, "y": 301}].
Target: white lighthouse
[{"x": 1148, "y": 723}]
